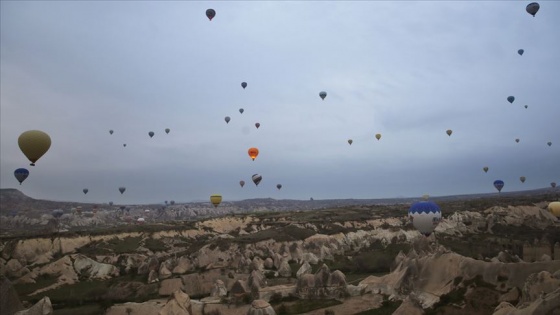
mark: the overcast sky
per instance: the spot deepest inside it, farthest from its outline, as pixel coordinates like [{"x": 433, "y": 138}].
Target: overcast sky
[{"x": 409, "y": 70}]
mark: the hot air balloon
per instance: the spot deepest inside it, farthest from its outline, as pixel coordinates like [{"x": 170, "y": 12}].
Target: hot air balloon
[
  {"x": 227, "y": 119},
  {"x": 520, "y": 52},
  {"x": 241, "y": 110},
  {"x": 242, "y": 183},
  {"x": 216, "y": 200},
  {"x": 425, "y": 197},
  {"x": 517, "y": 140},
  {"x": 279, "y": 186},
  {"x": 124, "y": 145},
  {"x": 111, "y": 131},
  {"x": 350, "y": 141},
  {"x": 449, "y": 132},
  {"x": 57, "y": 213},
  {"x": 526, "y": 106},
  {"x": 485, "y": 169},
  {"x": 511, "y": 99},
  {"x": 210, "y": 14},
  {"x": 257, "y": 125},
  {"x": 499, "y": 184},
  {"x": 253, "y": 153},
  {"x": 167, "y": 130},
  {"x": 151, "y": 134},
  {"x": 532, "y": 8},
  {"x": 378, "y": 136},
  {"x": 21, "y": 174},
  {"x": 554, "y": 208},
  {"x": 85, "y": 190},
  {"x": 34, "y": 144},
  {"x": 322, "y": 95},
  {"x": 425, "y": 216},
  {"x": 110, "y": 203},
  {"x": 122, "y": 189},
  {"x": 172, "y": 202},
  {"x": 256, "y": 179},
  {"x": 549, "y": 143},
  {"x": 243, "y": 85},
  {"x": 522, "y": 179},
  {"x": 553, "y": 184}
]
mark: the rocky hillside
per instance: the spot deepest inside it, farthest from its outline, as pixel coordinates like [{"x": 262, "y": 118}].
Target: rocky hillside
[{"x": 483, "y": 258}]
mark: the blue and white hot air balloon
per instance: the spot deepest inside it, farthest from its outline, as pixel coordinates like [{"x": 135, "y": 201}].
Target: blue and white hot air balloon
[{"x": 425, "y": 216}]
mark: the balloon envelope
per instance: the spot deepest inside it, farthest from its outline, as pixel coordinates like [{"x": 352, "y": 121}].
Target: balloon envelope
[
  {"x": 167, "y": 130},
  {"x": 227, "y": 119},
  {"x": 553, "y": 184},
  {"x": 243, "y": 84},
  {"x": 34, "y": 144},
  {"x": 253, "y": 153},
  {"x": 511, "y": 99},
  {"x": 57, "y": 213},
  {"x": 322, "y": 95},
  {"x": 241, "y": 110},
  {"x": 279, "y": 186},
  {"x": 110, "y": 131},
  {"x": 151, "y": 134},
  {"x": 256, "y": 179},
  {"x": 257, "y": 125},
  {"x": 378, "y": 136},
  {"x": 499, "y": 184},
  {"x": 242, "y": 183},
  {"x": 485, "y": 169},
  {"x": 216, "y": 199},
  {"x": 449, "y": 132},
  {"x": 122, "y": 189},
  {"x": 520, "y": 52},
  {"x": 85, "y": 190},
  {"x": 517, "y": 140},
  {"x": 549, "y": 143},
  {"x": 532, "y": 8},
  {"x": 554, "y": 208},
  {"x": 350, "y": 141},
  {"x": 425, "y": 216},
  {"x": 21, "y": 174},
  {"x": 210, "y": 14},
  {"x": 522, "y": 179}
]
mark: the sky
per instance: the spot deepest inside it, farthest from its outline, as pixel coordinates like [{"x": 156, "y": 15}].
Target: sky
[{"x": 408, "y": 70}]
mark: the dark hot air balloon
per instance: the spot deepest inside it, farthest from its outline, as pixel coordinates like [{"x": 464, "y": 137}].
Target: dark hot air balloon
[
  {"x": 122, "y": 190},
  {"x": 85, "y": 190},
  {"x": 322, "y": 95},
  {"x": 227, "y": 119},
  {"x": 256, "y": 179},
  {"x": 520, "y": 52},
  {"x": 21, "y": 174},
  {"x": 243, "y": 85},
  {"x": 511, "y": 99},
  {"x": 279, "y": 186},
  {"x": 499, "y": 184},
  {"x": 210, "y": 14},
  {"x": 532, "y": 8}
]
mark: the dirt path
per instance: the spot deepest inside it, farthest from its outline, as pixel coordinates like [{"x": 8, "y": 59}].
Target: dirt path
[{"x": 353, "y": 305}]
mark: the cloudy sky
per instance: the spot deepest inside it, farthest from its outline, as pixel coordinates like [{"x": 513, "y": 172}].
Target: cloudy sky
[{"x": 409, "y": 70}]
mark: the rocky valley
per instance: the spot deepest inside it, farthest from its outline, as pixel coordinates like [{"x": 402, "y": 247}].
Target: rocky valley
[{"x": 489, "y": 255}]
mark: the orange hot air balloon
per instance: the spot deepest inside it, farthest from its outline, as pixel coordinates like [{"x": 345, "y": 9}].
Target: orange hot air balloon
[{"x": 253, "y": 152}]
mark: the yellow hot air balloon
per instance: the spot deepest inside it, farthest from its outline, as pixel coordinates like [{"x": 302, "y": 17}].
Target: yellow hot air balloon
[
  {"x": 378, "y": 136},
  {"x": 34, "y": 144},
  {"x": 554, "y": 208},
  {"x": 253, "y": 153},
  {"x": 216, "y": 199}
]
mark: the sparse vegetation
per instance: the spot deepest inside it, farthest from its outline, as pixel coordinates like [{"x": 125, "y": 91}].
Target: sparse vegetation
[{"x": 387, "y": 308}]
